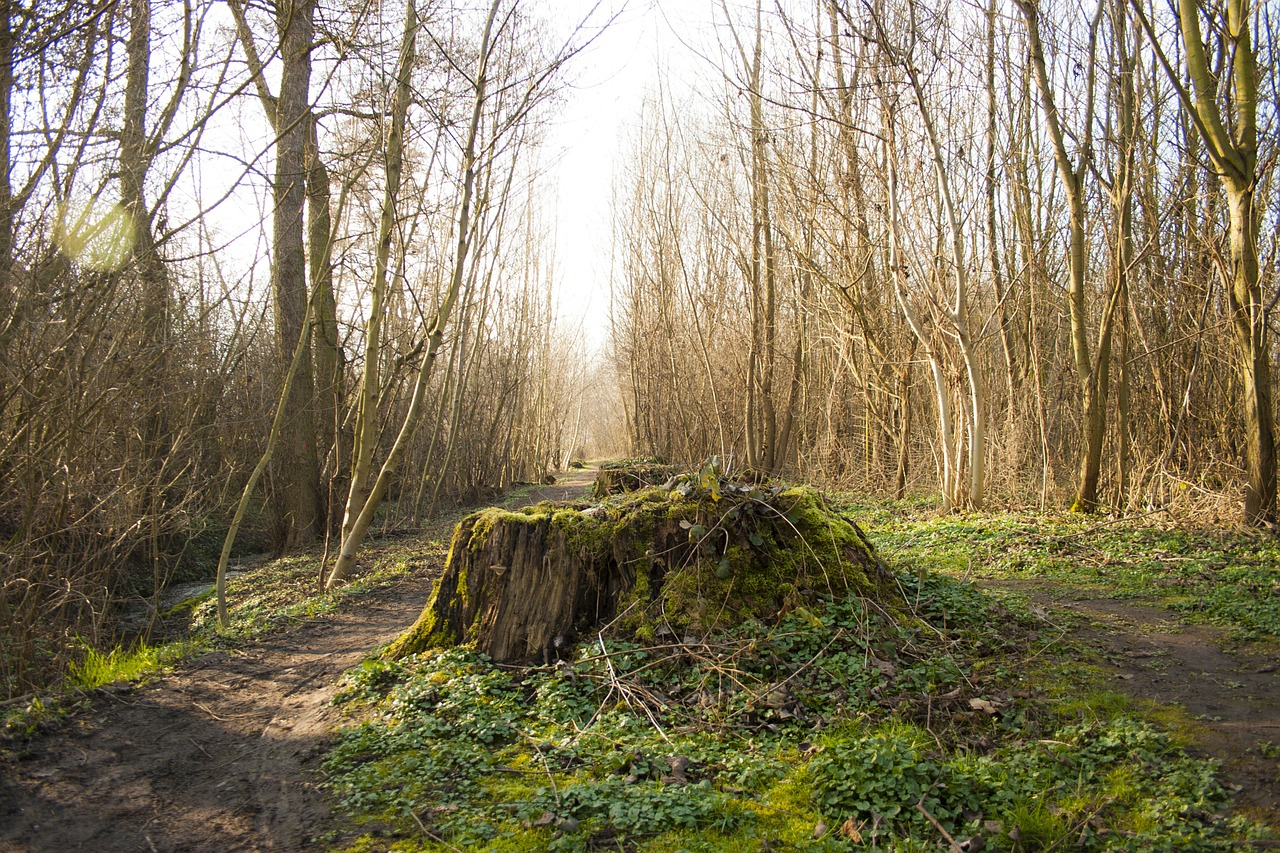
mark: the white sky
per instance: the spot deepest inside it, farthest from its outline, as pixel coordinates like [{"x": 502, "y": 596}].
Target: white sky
[
  {"x": 611, "y": 80},
  {"x": 585, "y": 148}
]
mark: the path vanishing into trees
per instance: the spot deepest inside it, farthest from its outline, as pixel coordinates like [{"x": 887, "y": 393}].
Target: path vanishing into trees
[{"x": 223, "y": 753}]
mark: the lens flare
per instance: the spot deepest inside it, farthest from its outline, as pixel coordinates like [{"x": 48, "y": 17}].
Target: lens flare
[{"x": 95, "y": 235}]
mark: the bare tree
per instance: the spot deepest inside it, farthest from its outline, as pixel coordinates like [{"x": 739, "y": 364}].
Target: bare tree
[{"x": 1233, "y": 153}]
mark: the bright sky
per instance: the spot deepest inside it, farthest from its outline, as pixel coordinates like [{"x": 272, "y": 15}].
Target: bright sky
[
  {"x": 586, "y": 146},
  {"x": 612, "y": 79}
]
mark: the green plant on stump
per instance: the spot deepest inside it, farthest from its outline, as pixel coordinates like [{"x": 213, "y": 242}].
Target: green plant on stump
[{"x": 698, "y": 556}]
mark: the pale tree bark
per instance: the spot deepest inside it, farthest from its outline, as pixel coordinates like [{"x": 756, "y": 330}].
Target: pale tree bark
[
  {"x": 760, "y": 412},
  {"x": 959, "y": 315},
  {"x": 1013, "y": 371},
  {"x": 948, "y": 431},
  {"x": 957, "y": 310},
  {"x": 1093, "y": 369},
  {"x": 364, "y": 499},
  {"x": 1233, "y": 153},
  {"x": 367, "y": 406},
  {"x": 856, "y": 214}
]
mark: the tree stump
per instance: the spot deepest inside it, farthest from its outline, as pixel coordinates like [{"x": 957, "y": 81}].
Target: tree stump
[
  {"x": 523, "y": 586},
  {"x": 629, "y": 475}
]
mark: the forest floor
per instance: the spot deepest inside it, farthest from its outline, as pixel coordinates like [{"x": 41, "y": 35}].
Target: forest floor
[
  {"x": 1230, "y": 691},
  {"x": 220, "y": 754},
  {"x": 223, "y": 751}
]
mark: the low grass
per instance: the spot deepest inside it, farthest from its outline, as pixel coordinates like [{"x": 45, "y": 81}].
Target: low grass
[
  {"x": 124, "y": 664},
  {"x": 840, "y": 727},
  {"x": 1223, "y": 576}
]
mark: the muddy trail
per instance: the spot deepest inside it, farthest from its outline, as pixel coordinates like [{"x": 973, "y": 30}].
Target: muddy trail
[
  {"x": 221, "y": 754},
  {"x": 1149, "y": 652}
]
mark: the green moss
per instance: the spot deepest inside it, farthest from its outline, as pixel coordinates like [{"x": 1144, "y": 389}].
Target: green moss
[
  {"x": 704, "y": 556},
  {"x": 425, "y": 633}
]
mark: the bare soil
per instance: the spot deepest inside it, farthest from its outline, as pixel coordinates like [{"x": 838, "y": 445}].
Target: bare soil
[
  {"x": 221, "y": 754},
  {"x": 1231, "y": 691}
]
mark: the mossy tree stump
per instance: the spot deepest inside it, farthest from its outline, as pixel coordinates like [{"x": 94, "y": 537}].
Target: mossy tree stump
[
  {"x": 522, "y": 586},
  {"x": 630, "y": 475}
]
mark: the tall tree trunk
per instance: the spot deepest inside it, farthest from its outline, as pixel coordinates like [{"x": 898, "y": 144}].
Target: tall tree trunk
[
  {"x": 1093, "y": 371},
  {"x": 1122, "y": 192},
  {"x": 296, "y": 468},
  {"x": 1234, "y": 156},
  {"x": 8, "y": 290},
  {"x": 1013, "y": 379},
  {"x": 366, "y": 433},
  {"x": 326, "y": 348},
  {"x": 135, "y": 162}
]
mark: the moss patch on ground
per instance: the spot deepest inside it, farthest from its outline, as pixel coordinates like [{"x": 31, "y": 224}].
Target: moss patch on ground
[{"x": 837, "y": 726}]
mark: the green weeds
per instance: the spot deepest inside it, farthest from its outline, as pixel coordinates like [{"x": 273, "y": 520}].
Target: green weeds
[
  {"x": 1229, "y": 577},
  {"x": 841, "y": 723},
  {"x": 119, "y": 664}
]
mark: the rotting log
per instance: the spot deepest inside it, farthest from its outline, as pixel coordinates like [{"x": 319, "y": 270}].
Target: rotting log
[{"x": 525, "y": 585}]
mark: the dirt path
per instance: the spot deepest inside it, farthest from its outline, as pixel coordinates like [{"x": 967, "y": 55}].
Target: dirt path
[
  {"x": 222, "y": 754},
  {"x": 1234, "y": 693}
]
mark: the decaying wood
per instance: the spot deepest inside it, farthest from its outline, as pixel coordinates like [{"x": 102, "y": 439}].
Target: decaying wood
[
  {"x": 630, "y": 475},
  {"x": 525, "y": 585}
]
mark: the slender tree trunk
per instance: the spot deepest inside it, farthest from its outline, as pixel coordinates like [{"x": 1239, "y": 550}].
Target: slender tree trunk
[
  {"x": 360, "y": 517},
  {"x": 947, "y": 431},
  {"x": 1092, "y": 372},
  {"x": 8, "y": 290},
  {"x": 960, "y": 306},
  {"x": 1122, "y": 191},
  {"x": 324, "y": 339},
  {"x": 1234, "y": 156},
  {"x": 1012, "y": 376},
  {"x": 1250, "y": 331},
  {"x": 366, "y": 432}
]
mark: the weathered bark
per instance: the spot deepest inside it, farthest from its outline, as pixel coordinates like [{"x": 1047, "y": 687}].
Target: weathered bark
[
  {"x": 630, "y": 475},
  {"x": 296, "y": 466},
  {"x": 326, "y": 348},
  {"x": 525, "y": 585}
]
